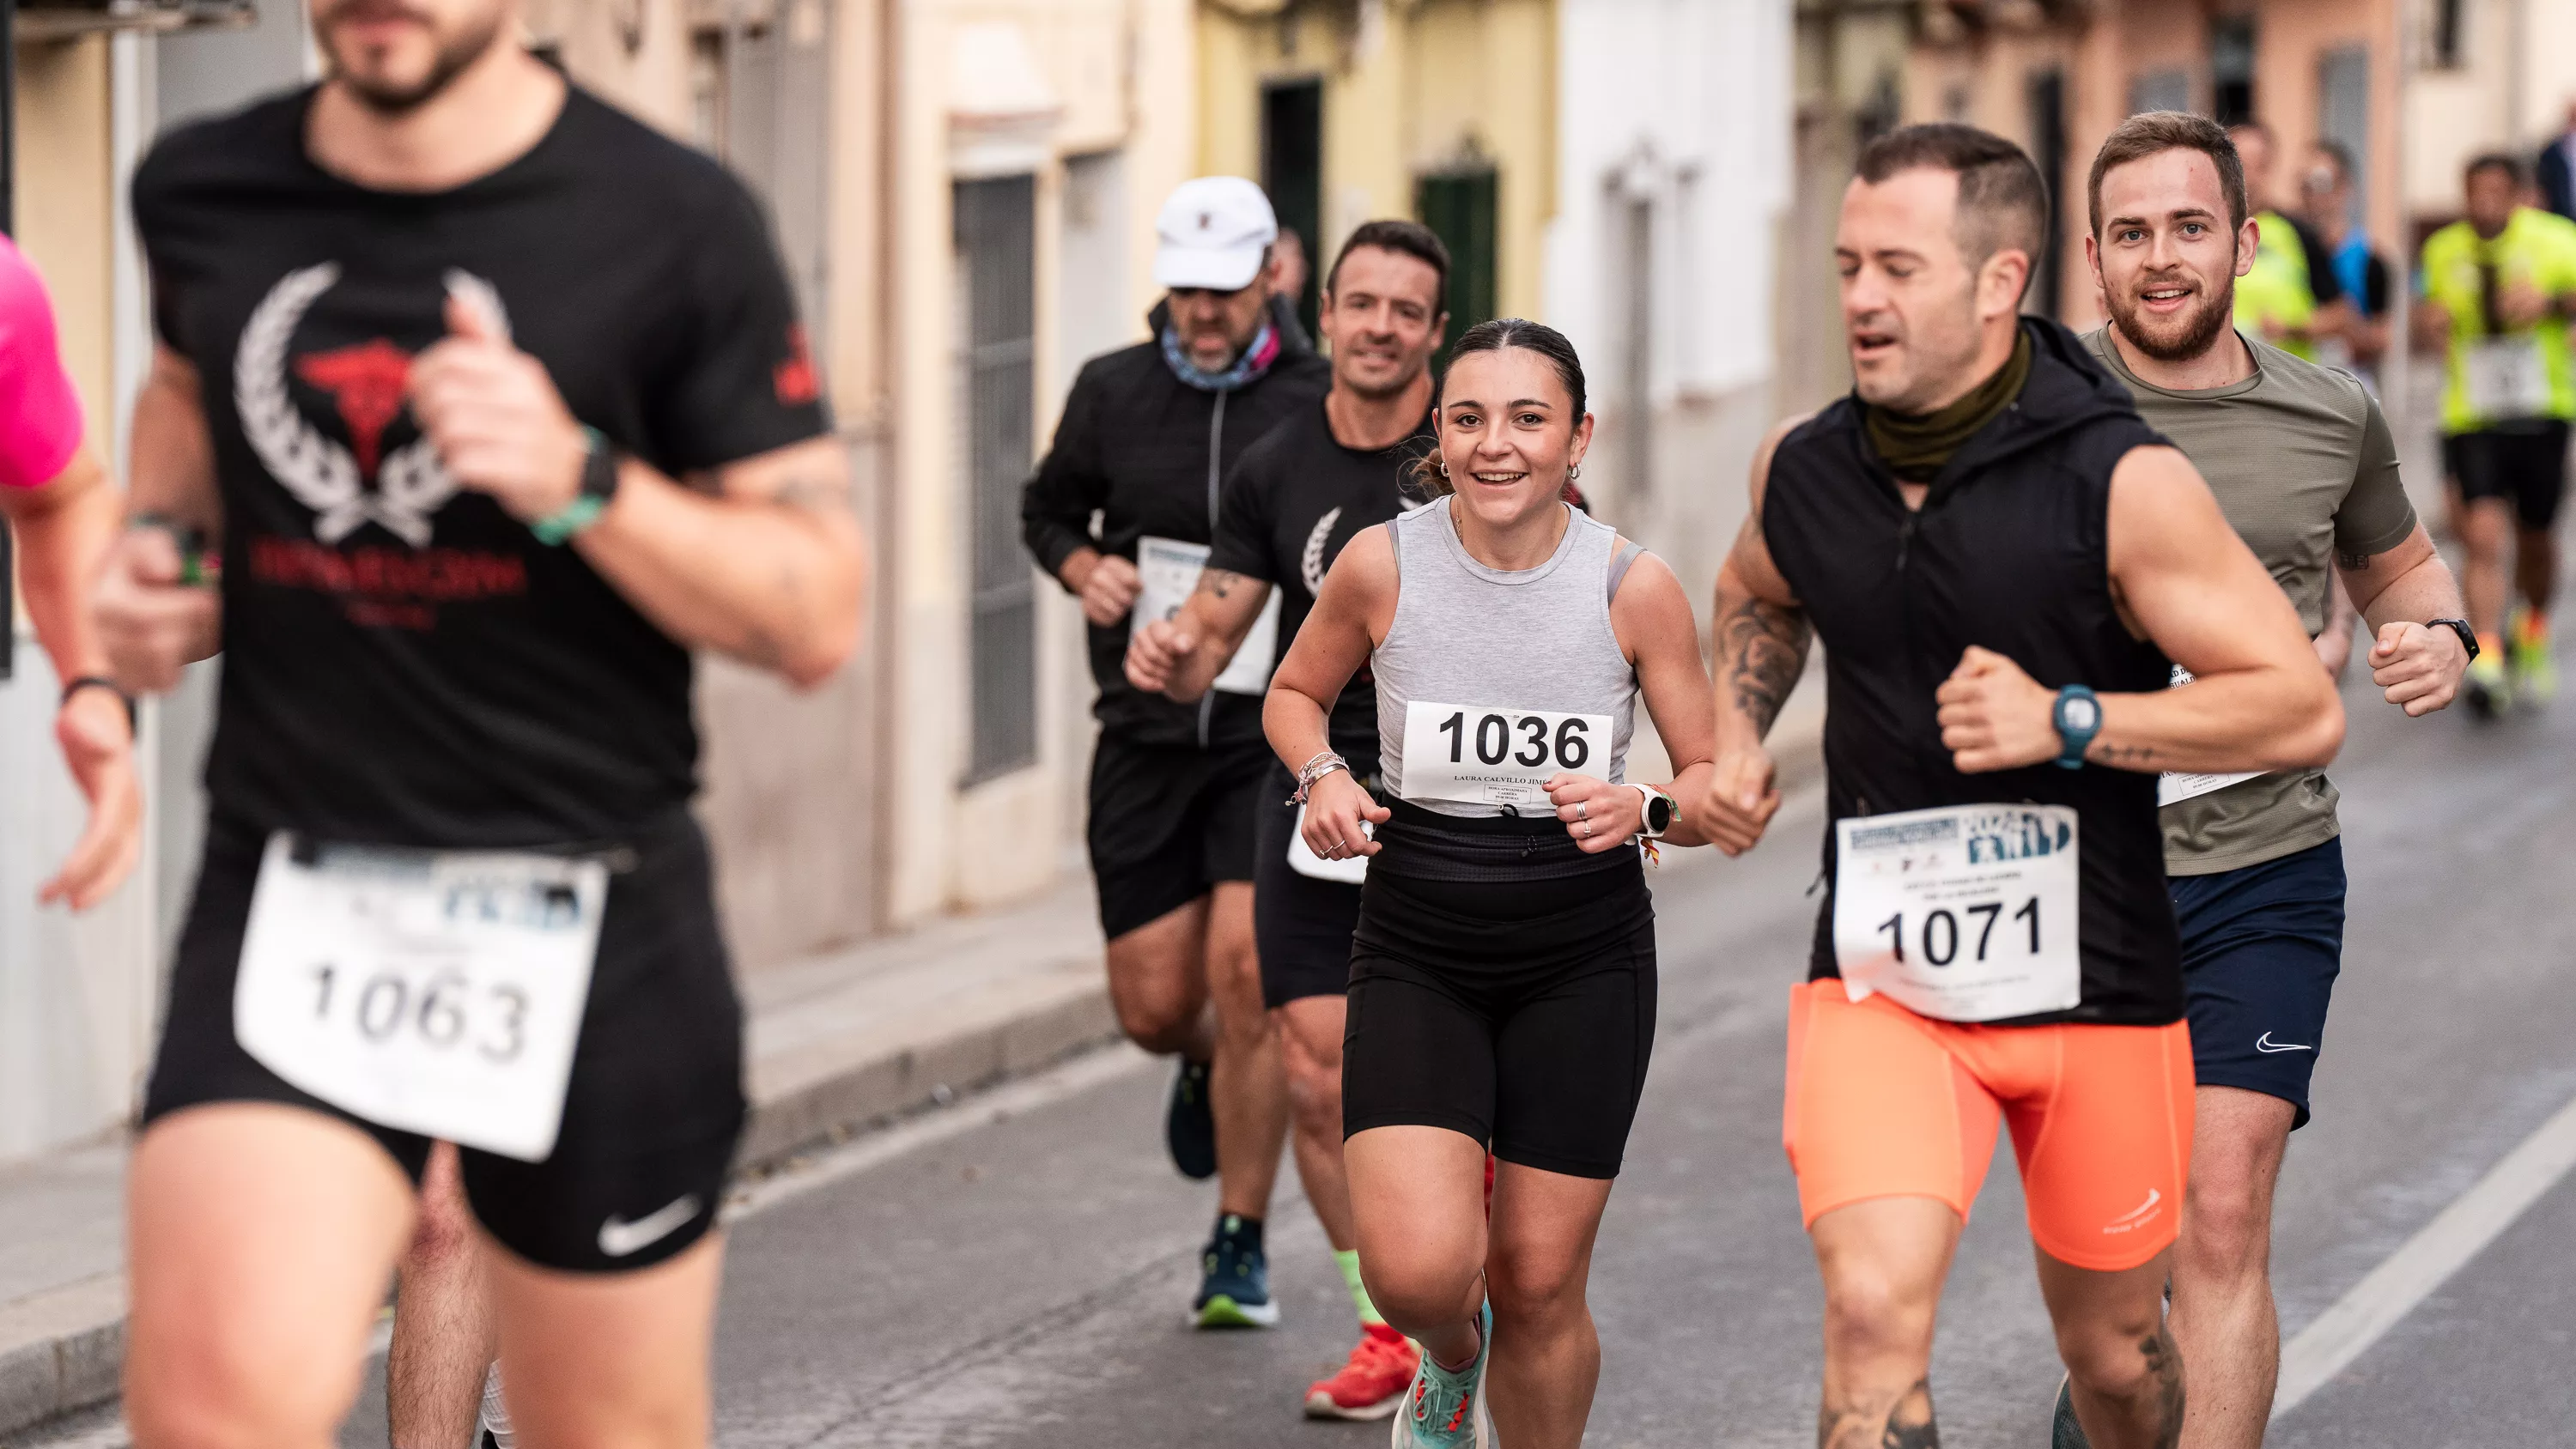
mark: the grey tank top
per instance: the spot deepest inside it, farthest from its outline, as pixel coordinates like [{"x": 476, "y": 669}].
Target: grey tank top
[{"x": 1534, "y": 638}]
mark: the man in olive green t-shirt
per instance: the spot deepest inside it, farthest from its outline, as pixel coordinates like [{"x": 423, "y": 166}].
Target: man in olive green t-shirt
[{"x": 2304, "y": 467}]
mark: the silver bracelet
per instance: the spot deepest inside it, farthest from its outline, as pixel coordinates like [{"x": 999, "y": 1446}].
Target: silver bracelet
[{"x": 1315, "y": 769}]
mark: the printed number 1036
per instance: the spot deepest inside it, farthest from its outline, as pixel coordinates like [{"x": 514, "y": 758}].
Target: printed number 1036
[{"x": 1941, "y": 933}]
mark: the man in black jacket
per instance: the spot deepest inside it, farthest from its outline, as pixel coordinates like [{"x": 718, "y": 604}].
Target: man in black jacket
[{"x": 1146, "y": 436}]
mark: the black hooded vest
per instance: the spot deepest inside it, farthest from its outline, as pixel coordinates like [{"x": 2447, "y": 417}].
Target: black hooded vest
[{"x": 2007, "y": 552}]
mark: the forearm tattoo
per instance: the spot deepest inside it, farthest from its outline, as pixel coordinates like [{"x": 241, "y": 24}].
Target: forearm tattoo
[
  {"x": 1761, "y": 651},
  {"x": 1220, "y": 582}
]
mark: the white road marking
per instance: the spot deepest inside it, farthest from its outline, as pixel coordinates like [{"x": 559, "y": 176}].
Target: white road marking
[{"x": 2411, "y": 1274}]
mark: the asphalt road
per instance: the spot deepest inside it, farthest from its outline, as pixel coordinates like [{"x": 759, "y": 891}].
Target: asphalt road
[
  {"x": 1014, "y": 1270},
  {"x": 1023, "y": 1282}
]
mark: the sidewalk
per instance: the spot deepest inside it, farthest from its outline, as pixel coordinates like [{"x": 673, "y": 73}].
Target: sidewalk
[{"x": 837, "y": 1042}]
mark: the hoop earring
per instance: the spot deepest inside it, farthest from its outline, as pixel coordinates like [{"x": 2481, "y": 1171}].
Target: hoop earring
[
  {"x": 1443, "y": 465},
  {"x": 1574, "y": 472}
]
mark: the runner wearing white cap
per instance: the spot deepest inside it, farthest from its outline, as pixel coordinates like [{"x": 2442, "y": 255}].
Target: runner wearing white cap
[{"x": 1147, "y": 434}]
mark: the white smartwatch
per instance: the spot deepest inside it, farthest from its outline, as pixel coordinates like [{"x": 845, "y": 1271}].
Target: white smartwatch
[{"x": 1657, "y": 816}]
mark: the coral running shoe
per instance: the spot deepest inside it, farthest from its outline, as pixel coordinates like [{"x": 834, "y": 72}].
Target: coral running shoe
[
  {"x": 1372, "y": 1385},
  {"x": 1446, "y": 1410}
]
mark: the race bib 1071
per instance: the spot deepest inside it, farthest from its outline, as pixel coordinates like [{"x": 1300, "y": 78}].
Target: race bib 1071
[
  {"x": 1474, "y": 754},
  {"x": 1962, "y": 913},
  {"x": 1168, "y": 571},
  {"x": 427, "y": 991}
]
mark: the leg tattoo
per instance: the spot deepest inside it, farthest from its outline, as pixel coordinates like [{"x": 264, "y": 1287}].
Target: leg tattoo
[{"x": 1904, "y": 1424}]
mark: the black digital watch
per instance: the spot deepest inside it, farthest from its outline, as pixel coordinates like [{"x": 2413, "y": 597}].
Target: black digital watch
[{"x": 2468, "y": 636}]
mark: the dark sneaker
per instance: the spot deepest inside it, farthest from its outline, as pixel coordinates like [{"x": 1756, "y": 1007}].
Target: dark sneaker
[
  {"x": 1234, "y": 1286},
  {"x": 1189, "y": 1126},
  {"x": 2064, "y": 1432}
]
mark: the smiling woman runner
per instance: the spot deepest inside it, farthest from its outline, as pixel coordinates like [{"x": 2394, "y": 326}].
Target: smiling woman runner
[{"x": 1503, "y": 974}]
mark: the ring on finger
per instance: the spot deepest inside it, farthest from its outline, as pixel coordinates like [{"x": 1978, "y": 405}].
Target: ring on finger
[{"x": 1582, "y": 809}]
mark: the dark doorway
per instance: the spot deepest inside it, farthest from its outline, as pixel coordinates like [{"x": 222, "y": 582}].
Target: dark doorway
[
  {"x": 1459, "y": 205},
  {"x": 2047, "y": 93},
  {"x": 1292, "y": 171},
  {"x": 996, "y": 241},
  {"x": 2231, "y": 69}
]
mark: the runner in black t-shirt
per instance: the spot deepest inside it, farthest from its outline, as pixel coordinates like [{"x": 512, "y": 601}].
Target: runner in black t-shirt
[
  {"x": 438, "y": 341},
  {"x": 1310, "y": 486}
]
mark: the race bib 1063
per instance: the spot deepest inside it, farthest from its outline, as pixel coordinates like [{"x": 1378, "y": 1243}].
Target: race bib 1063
[
  {"x": 1477, "y": 754},
  {"x": 431, "y": 992},
  {"x": 1963, "y": 913},
  {"x": 1168, "y": 571}
]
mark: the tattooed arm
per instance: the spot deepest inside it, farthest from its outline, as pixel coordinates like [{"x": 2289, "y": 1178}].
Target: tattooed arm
[
  {"x": 1181, "y": 656},
  {"x": 2184, "y": 581},
  {"x": 1761, "y": 636}
]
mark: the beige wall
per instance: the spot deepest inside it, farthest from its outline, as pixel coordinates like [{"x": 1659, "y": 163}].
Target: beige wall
[
  {"x": 1979, "y": 78},
  {"x": 65, "y": 204}
]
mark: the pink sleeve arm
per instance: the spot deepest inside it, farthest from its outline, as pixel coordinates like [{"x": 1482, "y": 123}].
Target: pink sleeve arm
[{"x": 40, "y": 415}]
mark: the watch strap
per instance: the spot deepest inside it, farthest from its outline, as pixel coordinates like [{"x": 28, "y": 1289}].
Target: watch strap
[
  {"x": 1648, "y": 795},
  {"x": 598, "y": 485},
  {"x": 2468, "y": 636},
  {"x": 2072, "y": 742}
]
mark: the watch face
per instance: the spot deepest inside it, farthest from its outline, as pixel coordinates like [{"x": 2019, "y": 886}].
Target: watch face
[
  {"x": 2083, "y": 714},
  {"x": 1659, "y": 814}
]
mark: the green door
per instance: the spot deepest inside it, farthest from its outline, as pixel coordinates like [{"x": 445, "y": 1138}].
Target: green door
[{"x": 1459, "y": 205}]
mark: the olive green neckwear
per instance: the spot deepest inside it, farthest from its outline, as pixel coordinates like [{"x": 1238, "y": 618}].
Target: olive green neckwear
[{"x": 1915, "y": 448}]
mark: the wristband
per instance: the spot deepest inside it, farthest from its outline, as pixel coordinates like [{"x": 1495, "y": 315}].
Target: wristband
[
  {"x": 99, "y": 681},
  {"x": 2468, "y": 636}
]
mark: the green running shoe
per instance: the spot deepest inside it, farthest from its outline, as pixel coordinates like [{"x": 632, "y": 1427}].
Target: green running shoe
[
  {"x": 2486, "y": 689},
  {"x": 2535, "y": 673},
  {"x": 1447, "y": 1410}
]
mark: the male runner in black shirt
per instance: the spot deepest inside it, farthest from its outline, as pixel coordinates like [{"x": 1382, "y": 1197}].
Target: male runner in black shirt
[
  {"x": 439, "y": 341},
  {"x": 1984, "y": 534},
  {"x": 1146, "y": 437},
  {"x": 1312, "y": 485}
]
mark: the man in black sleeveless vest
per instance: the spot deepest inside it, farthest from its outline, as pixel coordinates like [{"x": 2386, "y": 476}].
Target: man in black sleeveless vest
[{"x": 1985, "y": 535}]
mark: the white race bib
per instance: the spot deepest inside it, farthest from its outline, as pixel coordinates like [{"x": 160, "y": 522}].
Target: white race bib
[
  {"x": 1169, "y": 571},
  {"x": 1350, "y": 871},
  {"x": 427, "y": 991},
  {"x": 1477, "y": 754},
  {"x": 2507, "y": 377},
  {"x": 1964, "y": 913},
  {"x": 2173, "y": 787}
]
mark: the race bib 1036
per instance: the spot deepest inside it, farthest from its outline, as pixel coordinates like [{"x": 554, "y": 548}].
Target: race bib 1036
[
  {"x": 1475, "y": 754},
  {"x": 431, "y": 992},
  {"x": 1962, "y": 913},
  {"x": 1168, "y": 571}
]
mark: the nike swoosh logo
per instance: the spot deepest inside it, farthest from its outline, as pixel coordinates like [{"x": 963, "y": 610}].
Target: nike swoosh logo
[
  {"x": 2138, "y": 1214},
  {"x": 618, "y": 1239},
  {"x": 2266, "y": 1044}
]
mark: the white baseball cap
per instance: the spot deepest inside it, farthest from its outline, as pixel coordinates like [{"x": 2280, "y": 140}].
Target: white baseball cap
[{"x": 1212, "y": 233}]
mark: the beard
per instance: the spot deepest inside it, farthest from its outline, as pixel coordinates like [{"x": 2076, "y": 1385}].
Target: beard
[
  {"x": 2181, "y": 338},
  {"x": 455, "y": 52}
]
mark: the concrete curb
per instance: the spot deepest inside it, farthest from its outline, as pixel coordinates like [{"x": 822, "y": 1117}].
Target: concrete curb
[{"x": 61, "y": 1351}]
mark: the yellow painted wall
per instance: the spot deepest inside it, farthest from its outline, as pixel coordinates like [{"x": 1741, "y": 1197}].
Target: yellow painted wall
[
  {"x": 65, "y": 207},
  {"x": 1401, "y": 99}
]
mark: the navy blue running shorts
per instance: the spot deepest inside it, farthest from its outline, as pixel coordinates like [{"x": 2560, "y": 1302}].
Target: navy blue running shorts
[{"x": 2260, "y": 950}]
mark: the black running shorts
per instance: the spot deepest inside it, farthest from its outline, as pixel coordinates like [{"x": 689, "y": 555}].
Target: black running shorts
[
  {"x": 2525, "y": 463},
  {"x": 1521, "y": 1013},
  {"x": 655, "y": 1104},
  {"x": 1168, "y": 822},
  {"x": 1302, "y": 925}
]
